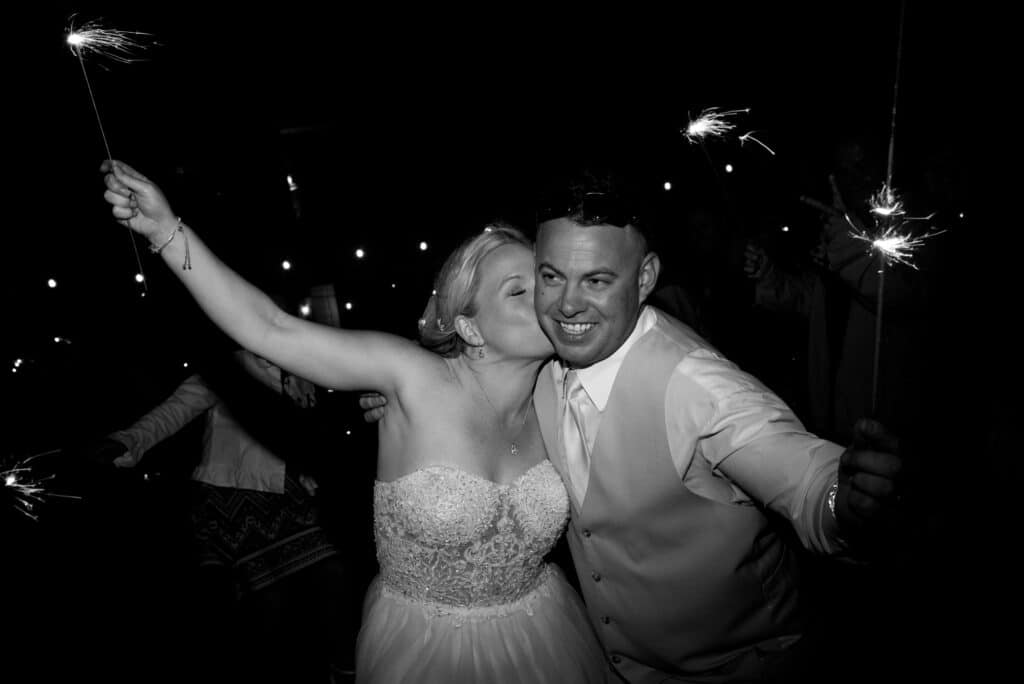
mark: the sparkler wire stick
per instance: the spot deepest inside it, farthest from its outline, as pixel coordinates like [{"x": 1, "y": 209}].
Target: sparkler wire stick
[
  {"x": 76, "y": 41},
  {"x": 895, "y": 92},
  {"x": 882, "y": 258}
]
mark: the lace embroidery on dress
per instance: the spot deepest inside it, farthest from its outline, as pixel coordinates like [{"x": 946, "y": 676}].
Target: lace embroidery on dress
[{"x": 455, "y": 543}]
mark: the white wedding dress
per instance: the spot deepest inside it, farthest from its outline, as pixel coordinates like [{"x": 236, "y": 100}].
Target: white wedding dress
[{"x": 464, "y": 594}]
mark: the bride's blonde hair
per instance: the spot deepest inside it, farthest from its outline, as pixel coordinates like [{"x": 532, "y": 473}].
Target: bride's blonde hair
[{"x": 456, "y": 286}]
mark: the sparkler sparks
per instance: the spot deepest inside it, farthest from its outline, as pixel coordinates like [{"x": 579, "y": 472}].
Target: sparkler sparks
[
  {"x": 715, "y": 123},
  {"x": 750, "y": 136},
  {"x": 891, "y": 239},
  {"x": 118, "y": 46},
  {"x": 711, "y": 123},
  {"x": 28, "y": 489}
]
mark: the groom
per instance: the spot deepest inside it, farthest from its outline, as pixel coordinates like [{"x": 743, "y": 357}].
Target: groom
[{"x": 671, "y": 455}]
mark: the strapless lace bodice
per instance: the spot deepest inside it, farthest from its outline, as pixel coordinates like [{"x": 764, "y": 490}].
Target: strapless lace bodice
[{"x": 448, "y": 537}]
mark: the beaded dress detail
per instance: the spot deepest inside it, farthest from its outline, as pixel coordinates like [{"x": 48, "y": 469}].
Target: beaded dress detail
[{"x": 464, "y": 593}]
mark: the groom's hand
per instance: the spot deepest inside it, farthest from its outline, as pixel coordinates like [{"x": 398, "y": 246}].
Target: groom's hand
[
  {"x": 373, "y": 405},
  {"x": 869, "y": 480}
]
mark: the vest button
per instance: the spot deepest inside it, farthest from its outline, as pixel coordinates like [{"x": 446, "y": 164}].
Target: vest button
[
  {"x": 596, "y": 576},
  {"x": 616, "y": 659},
  {"x": 586, "y": 533},
  {"x": 605, "y": 619}
]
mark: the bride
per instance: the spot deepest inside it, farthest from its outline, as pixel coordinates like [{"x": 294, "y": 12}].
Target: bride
[{"x": 466, "y": 504}]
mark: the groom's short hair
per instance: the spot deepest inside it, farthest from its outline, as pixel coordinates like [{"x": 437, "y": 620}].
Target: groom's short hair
[{"x": 595, "y": 195}]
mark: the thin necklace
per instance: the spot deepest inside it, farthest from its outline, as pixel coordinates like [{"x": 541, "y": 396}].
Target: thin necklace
[{"x": 513, "y": 447}]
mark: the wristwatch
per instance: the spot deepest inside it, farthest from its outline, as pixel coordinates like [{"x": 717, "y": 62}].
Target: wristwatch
[{"x": 832, "y": 491}]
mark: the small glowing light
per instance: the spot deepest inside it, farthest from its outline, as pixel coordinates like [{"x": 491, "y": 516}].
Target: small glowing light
[
  {"x": 360, "y": 253},
  {"x": 433, "y": 292},
  {"x": 291, "y": 184},
  {"x": 728, "y": 168},
  {"x": 348, "y": 432},
  {"x": 330, "y": 391},
  {"x": 139, "y": 277},
  {"x": 75, "y": 39},
  {"x": 348, "y": 306},
  {"x": 14, "y": 370},
  {"x": 18, "y": 362},
  {"x": 393, "y": 286},
  {"x": 286, "y": 265},
  {"x": 184, "y": 365},
  {"x": 53, "y": 283},
  {"x": 57, "y": 340},
  {"x": 961, "y": 214},
  {"x": 488, "y": 229},
  {"x": 423, "y": 246},
  {"x": 668, "y": 185},
  {"x": 305, "y": 309},
  {"x": 785, "y": 229}
]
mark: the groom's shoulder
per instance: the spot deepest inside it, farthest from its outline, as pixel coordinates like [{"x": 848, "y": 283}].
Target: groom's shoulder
[{"x": 678, "y": 334}]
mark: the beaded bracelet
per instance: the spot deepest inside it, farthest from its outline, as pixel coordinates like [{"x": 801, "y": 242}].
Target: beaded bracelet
[
  {"x": 187, "y": 266},
  {"x": 156, "y": 250}
]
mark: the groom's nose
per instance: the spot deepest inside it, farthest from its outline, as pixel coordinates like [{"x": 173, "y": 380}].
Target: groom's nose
[{"x": 571, "y": 301}]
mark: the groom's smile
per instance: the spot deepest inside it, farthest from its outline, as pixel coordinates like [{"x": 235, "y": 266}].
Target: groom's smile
[{"x": 590, "y": 284}]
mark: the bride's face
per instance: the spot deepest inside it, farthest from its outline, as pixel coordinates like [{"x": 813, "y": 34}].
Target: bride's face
[{"x": 505, "y": 314}]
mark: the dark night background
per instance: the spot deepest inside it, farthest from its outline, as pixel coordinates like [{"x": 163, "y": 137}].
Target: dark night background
[{"x": 400, "y": 126}]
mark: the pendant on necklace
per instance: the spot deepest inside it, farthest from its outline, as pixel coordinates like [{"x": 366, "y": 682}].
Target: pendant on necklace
[{"x": 514, "y": 449}]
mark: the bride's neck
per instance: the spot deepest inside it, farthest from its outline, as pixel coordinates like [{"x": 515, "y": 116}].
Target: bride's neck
[{"x": 508, "y": 384}]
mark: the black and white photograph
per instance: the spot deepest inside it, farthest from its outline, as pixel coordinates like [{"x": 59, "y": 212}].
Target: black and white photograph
[{"x": 503, "y": 344}]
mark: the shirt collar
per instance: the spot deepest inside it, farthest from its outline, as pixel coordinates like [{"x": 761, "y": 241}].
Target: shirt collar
[{"x": 598, "y": 378}]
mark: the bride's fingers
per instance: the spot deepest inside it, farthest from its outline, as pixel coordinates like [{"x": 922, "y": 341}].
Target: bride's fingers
[
  {"x": 117, "y": 199},
  {"x": 129, "y": 171},
  {"x": 123, "y": 213},
  {"x": 114, "y": 185},
  {"x": 133, "y": 183}
]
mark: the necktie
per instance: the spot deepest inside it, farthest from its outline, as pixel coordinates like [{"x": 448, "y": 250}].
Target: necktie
[{"x": 576, "y": 409}]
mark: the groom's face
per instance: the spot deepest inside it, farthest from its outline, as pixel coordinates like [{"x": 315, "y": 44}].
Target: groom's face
[{"x": 591, "y": 282}]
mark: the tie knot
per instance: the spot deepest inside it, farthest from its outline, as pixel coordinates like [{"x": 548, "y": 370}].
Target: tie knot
[{"x": 574, "y": 389}]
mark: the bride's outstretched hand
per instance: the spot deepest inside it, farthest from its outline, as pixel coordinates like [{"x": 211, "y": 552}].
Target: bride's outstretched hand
[{"x": 136, "y": 202}]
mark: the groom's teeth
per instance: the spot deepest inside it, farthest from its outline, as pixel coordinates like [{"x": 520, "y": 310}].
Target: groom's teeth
[{"x": 576, "y": 328}]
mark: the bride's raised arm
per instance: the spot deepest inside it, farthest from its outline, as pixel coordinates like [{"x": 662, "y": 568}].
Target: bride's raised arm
[{"x": 339, "y": 359}]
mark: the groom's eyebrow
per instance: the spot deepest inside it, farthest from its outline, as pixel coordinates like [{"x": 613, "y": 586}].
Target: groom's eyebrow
[{"x": 548, "y": 266}]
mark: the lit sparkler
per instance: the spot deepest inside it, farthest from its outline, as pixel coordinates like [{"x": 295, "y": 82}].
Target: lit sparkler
[
  {"x": 27, "y": 488},
  {"x": 119, "y": 46},
  {"x": 894, "y": 243},
  {"x": 711, "y": 123},
  {"x": 891, "y": 239}
]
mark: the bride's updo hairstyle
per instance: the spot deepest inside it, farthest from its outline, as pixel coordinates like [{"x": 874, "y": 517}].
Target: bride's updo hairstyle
[{"x": 456, "y": 287}]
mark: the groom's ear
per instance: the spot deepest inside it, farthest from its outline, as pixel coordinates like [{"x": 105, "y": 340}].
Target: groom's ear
[
  {"x": 466, "y": 328},
  {"x": 650, "y": 267}
]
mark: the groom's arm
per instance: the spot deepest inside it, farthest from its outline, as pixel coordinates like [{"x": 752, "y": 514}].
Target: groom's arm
[{"x": 742, "y": 431}]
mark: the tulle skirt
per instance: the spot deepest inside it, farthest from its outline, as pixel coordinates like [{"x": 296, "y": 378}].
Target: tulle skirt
[{"x": 543, "y": 637}]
